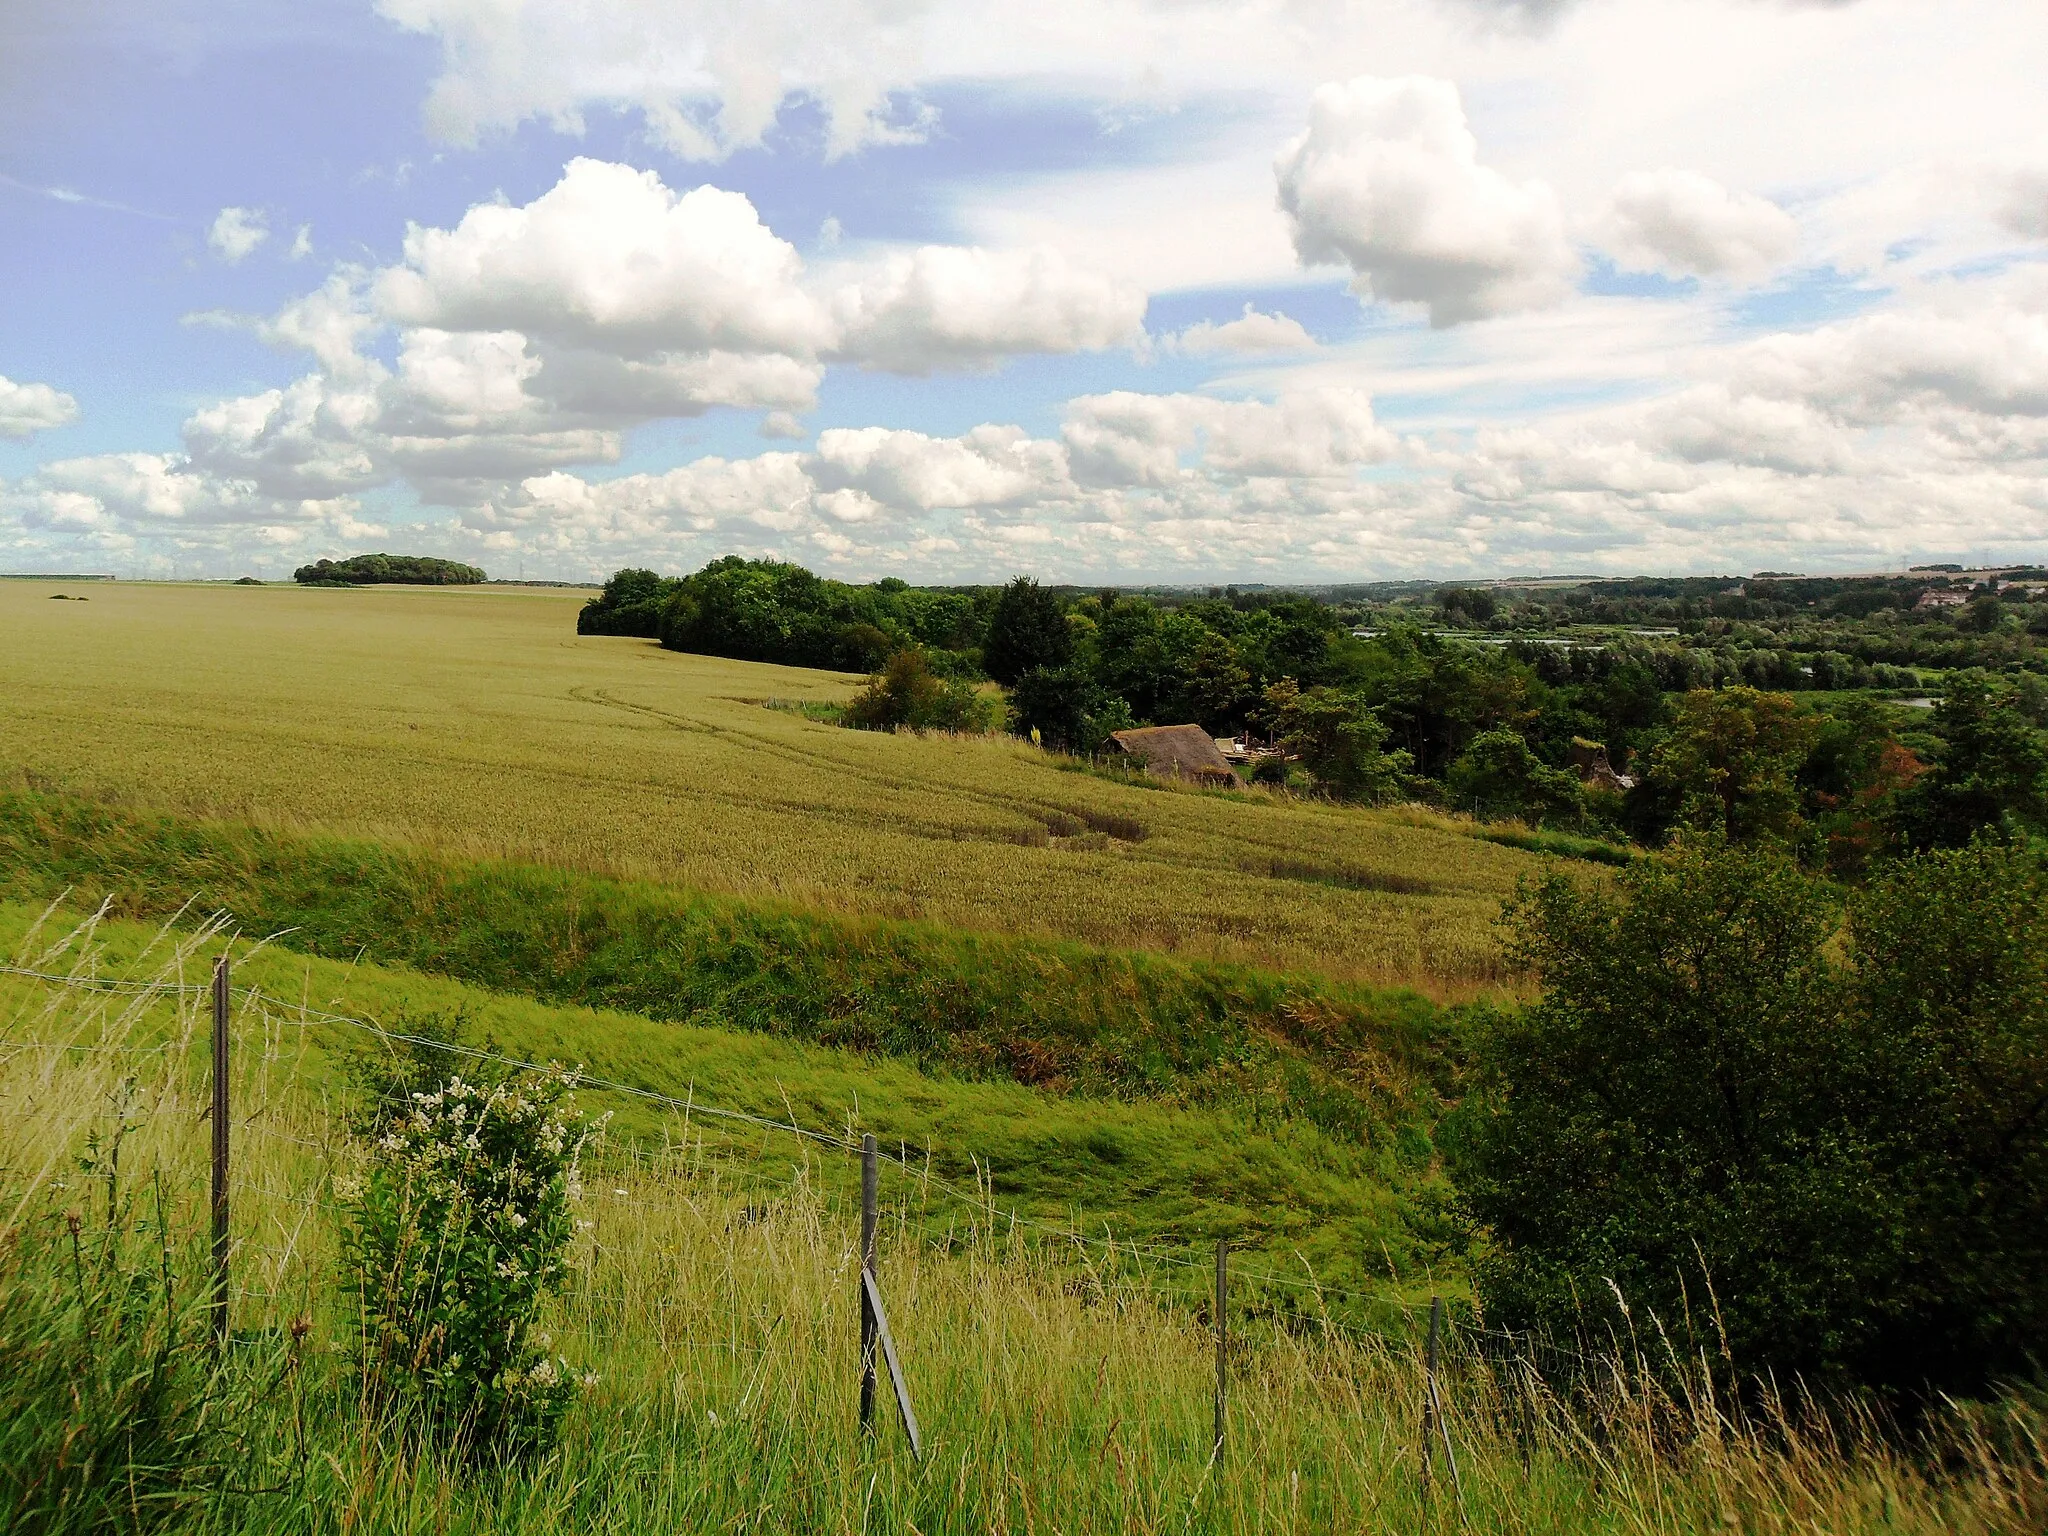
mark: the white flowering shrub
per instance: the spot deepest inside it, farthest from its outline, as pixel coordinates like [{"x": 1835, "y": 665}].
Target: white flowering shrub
[{"x": 457, "y": 1229}]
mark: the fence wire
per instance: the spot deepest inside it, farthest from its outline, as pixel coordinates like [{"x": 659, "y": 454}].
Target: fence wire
[{"x": 1161, "y": 1249}]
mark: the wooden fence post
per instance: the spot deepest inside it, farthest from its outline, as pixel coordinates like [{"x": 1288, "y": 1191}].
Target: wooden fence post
[
  {"x": 1436, "y": 1312},
  {"x": 870, "y": 1186},
  {"x": 220, "y": 1149},
  {"x": 874, "y": 1322},
  {"x": 1433, "y": 1416},
  {"x": 1222, "y": 1337}
]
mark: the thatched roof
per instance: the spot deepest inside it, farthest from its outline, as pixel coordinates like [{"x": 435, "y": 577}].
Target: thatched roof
[{"x": 1176, "y": 751}]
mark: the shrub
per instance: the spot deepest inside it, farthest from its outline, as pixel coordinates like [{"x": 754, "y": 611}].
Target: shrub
[
  {"x": 454, "y": 1238},
  {"x": 907, "y": 692},
  {"x": 1816, "y": 1165}
]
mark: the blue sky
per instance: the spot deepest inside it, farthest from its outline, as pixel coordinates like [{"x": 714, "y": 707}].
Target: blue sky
[{"x": 1324, "y": 290}]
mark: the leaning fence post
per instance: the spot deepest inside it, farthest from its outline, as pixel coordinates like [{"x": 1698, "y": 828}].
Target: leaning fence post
[
  {"x": 220, "y": 1148},
  {"x": 1433, "y": 1416},
  {"x": 870, "y": 1185},
  {"x": 1436, "y": 1312},
  {"x": 1222, "y": 1336}
]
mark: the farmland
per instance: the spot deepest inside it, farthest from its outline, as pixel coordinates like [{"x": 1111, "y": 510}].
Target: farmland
[
  {"x": 1097, "y": 1025},
  {"x": 475, "y": 724}
]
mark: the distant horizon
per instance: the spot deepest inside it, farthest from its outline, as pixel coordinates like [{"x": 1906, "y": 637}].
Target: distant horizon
[{"x": 1925, "y": 568}]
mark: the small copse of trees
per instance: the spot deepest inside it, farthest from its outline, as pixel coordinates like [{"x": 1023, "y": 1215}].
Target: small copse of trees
[{"x": 388, "y": 570}]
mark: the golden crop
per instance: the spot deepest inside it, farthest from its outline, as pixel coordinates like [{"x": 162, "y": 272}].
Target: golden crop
[{"x": 477, "y": 722}]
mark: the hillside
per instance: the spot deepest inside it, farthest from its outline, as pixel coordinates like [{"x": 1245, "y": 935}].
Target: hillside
[
  {"x": 1157, "y": 1172},
  {"x": 473, "y": 722}
]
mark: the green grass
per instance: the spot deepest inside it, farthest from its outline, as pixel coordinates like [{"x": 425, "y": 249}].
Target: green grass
[
  {"x": 713, "y": 1299},
  {"x": 1367, "y": 1063},
  {"x": 1354, "y": 1212}
]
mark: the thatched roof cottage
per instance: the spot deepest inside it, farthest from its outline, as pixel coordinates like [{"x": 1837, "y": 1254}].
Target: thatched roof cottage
[{"x": 1176, "y": 752}]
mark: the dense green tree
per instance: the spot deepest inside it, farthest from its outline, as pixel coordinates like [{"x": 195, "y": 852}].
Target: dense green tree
[
  {"x": 1067, "y": 708},
  {"x": 1474, "y": 604},
  {"x": 1950, "y": 997},
  {"x": 1991, "y": 773},
  {"x": 1730, "y": 758},
  {"x": 1498, "y": 776},
  {"x": 381, "y": 570},
  {"x": 1338, "y": 739},
  {"x": 630, "y": 604},
  {"x": 1831, "y": 1167},
  {"x": 1026, "y": 630}
]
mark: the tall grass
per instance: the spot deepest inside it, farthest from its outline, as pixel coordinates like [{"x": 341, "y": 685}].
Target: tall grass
[
  {"x": 1056, "y": 1394},
  {"x": 1363, "y": 1061},
  {"x": 1358, "y": 1211}
]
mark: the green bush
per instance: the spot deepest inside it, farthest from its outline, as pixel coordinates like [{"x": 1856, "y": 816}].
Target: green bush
[
  {"x": 1804, "y": 1147},
  {"x": 907, "y": 692},
  {"x": 454, "y": 1238}
]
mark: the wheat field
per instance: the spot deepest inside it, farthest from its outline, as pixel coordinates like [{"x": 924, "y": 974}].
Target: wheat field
[{"x": 476, "y": 722}]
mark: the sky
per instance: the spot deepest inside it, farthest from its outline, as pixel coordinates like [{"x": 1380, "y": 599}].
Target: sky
[{"x": 1097, "y": 290}]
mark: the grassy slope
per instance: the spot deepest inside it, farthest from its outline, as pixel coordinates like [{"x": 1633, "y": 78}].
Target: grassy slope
[
  {"x": 476, "y": 723},
  {"x": 720, "y": 1320},
  {"x": 1359, "y": 1062},
  {"x": 1149, "y": 1170}
]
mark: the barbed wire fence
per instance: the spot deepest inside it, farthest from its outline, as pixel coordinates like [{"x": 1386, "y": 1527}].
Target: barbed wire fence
[{"x": 1524, "y": 1362}]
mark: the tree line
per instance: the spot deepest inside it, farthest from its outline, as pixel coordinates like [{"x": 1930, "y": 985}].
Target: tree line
[{"x": 1504, "y": 731}]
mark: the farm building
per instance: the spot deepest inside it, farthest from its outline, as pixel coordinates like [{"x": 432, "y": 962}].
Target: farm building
[
  {"x": 1176, "y": 752},
  {"x": 1589, "y": 761}
]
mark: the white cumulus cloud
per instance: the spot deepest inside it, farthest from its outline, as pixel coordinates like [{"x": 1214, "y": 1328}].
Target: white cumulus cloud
[
  {"x": 1685, "y": 224},
  {"x": 610, "y": 257},
  {"x": 1254, "y": 331},
  {"x": 1129, "y": 439},
  {"x": 1387, "y": 179},
  {"x": 707, "y": 77},
  {"x": 987, "y": 467},
  {"x": 940, "y": 306},
  {"x": 30, "y": 408},
  {"x": 236, "y": 232}
]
